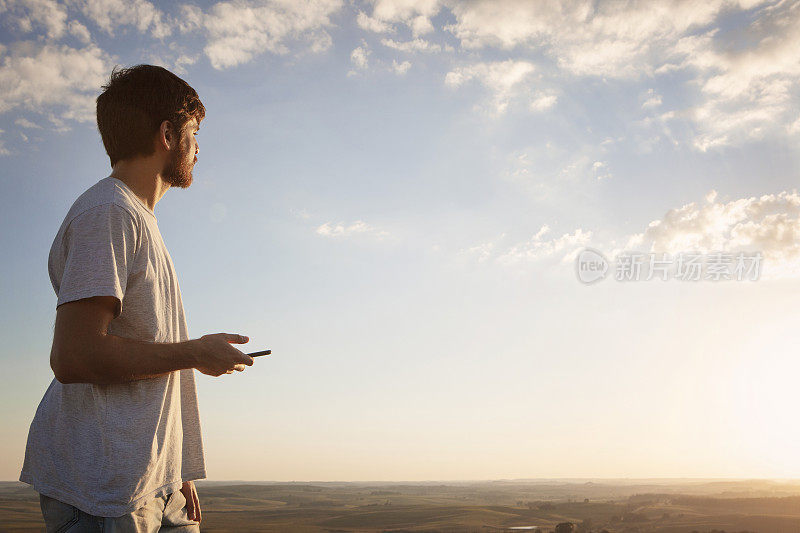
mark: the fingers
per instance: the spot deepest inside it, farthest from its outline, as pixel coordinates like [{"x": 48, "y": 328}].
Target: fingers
[
  {"x": 235, "y": 338},
  {"x": 196, "y": 498},
  {"x": 187, "y": 495},
  {"x": 238, "y": 367},
  {"x": 190, "y": 506},
  {"x": 246, "y": 359}
]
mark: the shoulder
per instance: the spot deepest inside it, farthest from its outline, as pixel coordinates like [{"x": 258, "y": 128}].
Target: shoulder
[{"x": 105, "y": 198}]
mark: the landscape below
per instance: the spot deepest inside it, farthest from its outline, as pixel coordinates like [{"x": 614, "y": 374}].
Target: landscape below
[{"x": 673, "y": 506}]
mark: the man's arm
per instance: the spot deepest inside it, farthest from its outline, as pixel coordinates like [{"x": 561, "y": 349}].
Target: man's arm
[{"x": 84, "y": 352}]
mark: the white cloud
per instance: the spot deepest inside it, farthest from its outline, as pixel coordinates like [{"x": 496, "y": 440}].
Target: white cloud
[
  {"x": 651, "y": 99},
  {"x": 112, "y": 14},
  {"x": 502, "y": 78},
  {"x": 341, "y": 229},
  {"x": 600, "y": 169},
  {"x": 420, "y": 25},
  {"x": 39, "y": 78},
  {"x": 190, "y": 18},
  {"x": 240, "y": 30},
  {"x": 359, "y": 56},
  {"x": 401, "y": 68},
  {"x": 80, "y": 31},
  {"x": 750, "y": 92},
  {"x": 300, "y": 213},
  {"x": 794, "y": 127},
  {"x": 416, "y": 14},
  {"x": 559, "y": 173},
  {"x": 540, "y": 247},
  {"x": 28, "y": 14},
  {"x": 614, "y": 39},
  {"x": 747, "y": 77},
  {"x": 25, "y": 123},
  {"x": 182, "y": 61},
  {"x": 543, "y": 101},
  {"x": 769, "y": 224},
  {"x": 365, "y": 22},
  {"x": 415, "y": 45},
  {"x": 3, "y": 149},
  {"x": 481, "y": 251}
]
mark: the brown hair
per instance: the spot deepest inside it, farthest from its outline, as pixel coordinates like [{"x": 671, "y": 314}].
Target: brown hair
[{"x": 135, "y": 102}]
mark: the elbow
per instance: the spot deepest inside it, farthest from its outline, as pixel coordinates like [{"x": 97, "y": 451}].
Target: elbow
[
  {"x": 75, "y": 366},
  {"x": 60, "y": 370},
  {"x": 63, "y": 371}
]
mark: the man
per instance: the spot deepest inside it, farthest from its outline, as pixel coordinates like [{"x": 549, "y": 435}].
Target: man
[{"x": 115, "y": 443}]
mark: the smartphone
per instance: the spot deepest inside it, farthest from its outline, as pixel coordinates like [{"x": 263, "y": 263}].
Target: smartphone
[{"x": 263, "y": 352}]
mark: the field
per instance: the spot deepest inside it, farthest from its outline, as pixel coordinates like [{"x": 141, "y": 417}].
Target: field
[{"x": 667, "y": 506}]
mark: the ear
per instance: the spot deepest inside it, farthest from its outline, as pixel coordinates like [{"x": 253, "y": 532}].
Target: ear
[{"x": 166, "y": 136}]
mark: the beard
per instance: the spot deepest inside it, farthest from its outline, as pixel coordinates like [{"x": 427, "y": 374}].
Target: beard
[{"x": 177, "y": 172}]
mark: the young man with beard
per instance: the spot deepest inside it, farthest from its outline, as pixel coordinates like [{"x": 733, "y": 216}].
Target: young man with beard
[{"x": 115, "y": 443}]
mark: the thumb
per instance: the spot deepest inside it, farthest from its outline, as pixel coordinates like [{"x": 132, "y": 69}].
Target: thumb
[{"x": 236, "y": 339}]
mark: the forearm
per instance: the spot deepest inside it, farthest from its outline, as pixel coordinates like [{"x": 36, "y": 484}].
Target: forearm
[{"x": 107, "y": 359}]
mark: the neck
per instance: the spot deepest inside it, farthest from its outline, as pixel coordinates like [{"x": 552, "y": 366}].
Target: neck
[{"x": 143, "y": 177}]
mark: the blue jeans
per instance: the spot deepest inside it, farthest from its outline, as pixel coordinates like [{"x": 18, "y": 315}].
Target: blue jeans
[{"x": 166, "y": 513}]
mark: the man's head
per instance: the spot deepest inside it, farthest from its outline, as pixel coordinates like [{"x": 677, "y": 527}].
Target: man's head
[{"x": 147, "y": 110}]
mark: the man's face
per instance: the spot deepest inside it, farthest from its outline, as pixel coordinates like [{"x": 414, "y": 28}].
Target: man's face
[{"x": 178, "y": 169}]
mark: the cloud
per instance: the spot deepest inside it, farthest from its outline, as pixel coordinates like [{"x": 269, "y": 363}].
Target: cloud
[
  {"x": 365, "y": 22},
  {"x": 416, "y": 45},
  {"x": 747, "y": 75},
  {"x": 25, "y": 123},
  {"x": 359, "y": 57},
  {"x": 239, "y": 30},
  {"x": 112, "y": 14},
  {"x": 794, "y": 127},
  {"x": 543, "y": 101},
  {"x": 341, "y": 229},
  {"x": 3, "y": 150},
  {"x": 79, "y": 31},
  {"x": 769, "y": 224},
  {"x": 26, "y": 15},
  {"x": 415, "y": 14},
  {"x": 752, "y": 91},
  {"x": 559, "y": 172},
  {"x": 616, "y": 39},
  {"x": 401, "y": 68},
  {"x": 540, "y": 247},
  {"x": 502, "y": 78},
  {"x": 299, "y": 213},
  {"x": 42, "y": 77},
  {"x": 482, "y": 252},
  {"x": 189, "y": 19},
  {"x": 600, "y": 169},
  {"x": 651, "y": 99}
]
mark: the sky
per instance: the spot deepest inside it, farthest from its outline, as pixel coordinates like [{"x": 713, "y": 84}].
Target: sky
[{"x": 391, "y": 195}]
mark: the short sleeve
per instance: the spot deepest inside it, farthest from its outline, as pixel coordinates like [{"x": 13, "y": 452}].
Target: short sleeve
[{"x": 100, "y": 247}]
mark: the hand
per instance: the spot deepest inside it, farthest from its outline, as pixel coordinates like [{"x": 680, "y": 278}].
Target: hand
[
  {"x": 192, "y": 501},
  {"x": 215, "y": 356}
]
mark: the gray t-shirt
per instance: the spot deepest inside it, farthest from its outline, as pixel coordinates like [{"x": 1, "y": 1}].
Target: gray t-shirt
[{"x": 107, "y": 449}]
